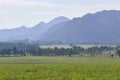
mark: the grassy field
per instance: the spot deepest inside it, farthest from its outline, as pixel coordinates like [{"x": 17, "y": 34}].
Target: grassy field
[
  {"x": 68, "y": 46},
  {"x": 58, "y": 46},
  {"x": 59, "y": 68}
]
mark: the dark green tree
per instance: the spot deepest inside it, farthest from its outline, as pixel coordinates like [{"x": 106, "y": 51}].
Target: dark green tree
[
  {"x": 118, "y": 53},
  {"x": 15, "y": 51}
]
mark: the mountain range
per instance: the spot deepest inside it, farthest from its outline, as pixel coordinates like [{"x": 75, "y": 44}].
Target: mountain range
[{"x": 100, "y": 27}]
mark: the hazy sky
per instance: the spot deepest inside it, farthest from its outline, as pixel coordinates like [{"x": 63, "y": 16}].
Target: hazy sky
[{"x": 15, "y": 13}]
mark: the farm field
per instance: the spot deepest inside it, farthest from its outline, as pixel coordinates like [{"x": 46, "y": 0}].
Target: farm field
[
  {"x": 68, "y": 46},
  {"x": 59, "y": 68}
]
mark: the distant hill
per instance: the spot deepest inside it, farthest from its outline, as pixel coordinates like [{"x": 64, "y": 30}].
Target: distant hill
[
  {"x": 8, "y": 34},
  {"x": 22, "y": 33},
  {"x": 42, "y": 27},
  {"x": 100, "y": 27}
]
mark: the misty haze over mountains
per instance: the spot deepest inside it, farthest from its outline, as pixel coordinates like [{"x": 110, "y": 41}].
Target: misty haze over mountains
[{"x": 100, "y": 27}]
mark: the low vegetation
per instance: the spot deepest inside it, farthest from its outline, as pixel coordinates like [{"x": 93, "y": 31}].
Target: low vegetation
[
  {"x": 73, "y": 62},
  {"x": 20, "y": 49},
  {"x": 59, "y": 68}
]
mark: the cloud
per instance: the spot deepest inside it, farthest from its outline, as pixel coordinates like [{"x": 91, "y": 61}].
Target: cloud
[
  {"x": 69, "y": 10},
  {"x": 28, "y": 12},
  {"x": 77, "y": 10},
  {"x": 47, "y": 4},
  {"x": 24, "y": 3}
]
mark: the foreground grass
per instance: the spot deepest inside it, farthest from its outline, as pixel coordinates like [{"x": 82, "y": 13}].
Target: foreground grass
[{"x": 59, "y": 68}]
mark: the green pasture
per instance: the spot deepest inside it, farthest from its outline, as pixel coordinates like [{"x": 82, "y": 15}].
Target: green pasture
[
  {"x": 59, "y": 68},
  {"x": 68, "y": 46}
]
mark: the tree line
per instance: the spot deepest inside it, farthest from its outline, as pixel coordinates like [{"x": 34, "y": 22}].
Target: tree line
[{"x": 35, "y": 50}]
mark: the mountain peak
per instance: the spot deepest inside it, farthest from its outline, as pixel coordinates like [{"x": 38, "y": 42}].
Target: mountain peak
[
  {"x": 108, "y": 11},
  {"x": 61, "y": 17},
  {"x": 103, "y": 12},
  {"x": 42, "y": 23},
  {"x": 23, "y": 26},
  {"x": 58, "y": 20}
]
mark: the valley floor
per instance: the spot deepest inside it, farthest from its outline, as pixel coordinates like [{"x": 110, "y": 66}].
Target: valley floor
[{"x": 59, "y": 68}]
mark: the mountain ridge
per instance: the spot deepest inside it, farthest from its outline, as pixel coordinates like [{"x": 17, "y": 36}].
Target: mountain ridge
[
  {"x": 90, "y": 28},
  {"x": 99, "y": 27}
]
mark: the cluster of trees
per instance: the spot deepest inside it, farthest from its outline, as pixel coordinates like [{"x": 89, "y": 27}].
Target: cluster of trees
[
  {"x": 12, "y": 52},
  {"x": 18, "y": 49},
  {"x": 15, "y": 49},
  {"x": 74, "y": 50}
]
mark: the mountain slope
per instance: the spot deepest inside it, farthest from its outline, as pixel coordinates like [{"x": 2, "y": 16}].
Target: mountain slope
[
  {"x": 23, "y": 33},
  {"x": 8, "y": 34},
  {"x": 42, "y": 27},
  {"x": 99, "y": 27}
]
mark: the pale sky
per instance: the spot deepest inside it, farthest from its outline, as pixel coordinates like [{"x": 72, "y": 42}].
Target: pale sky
[{"x": 15, "y": 13}]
